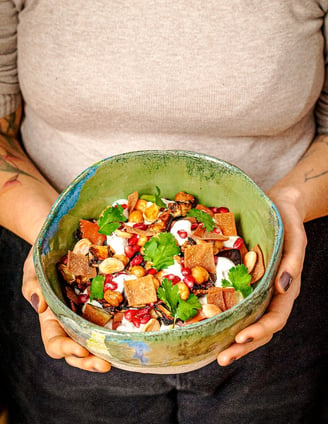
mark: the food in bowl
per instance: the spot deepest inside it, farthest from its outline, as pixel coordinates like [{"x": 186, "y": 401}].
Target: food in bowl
[
  {"x": 149, "y": 263},
  {"x": 213, "y": 182}
]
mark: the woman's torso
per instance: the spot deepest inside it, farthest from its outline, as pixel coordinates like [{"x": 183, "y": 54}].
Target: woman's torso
[{"x": 237, "y": 80}]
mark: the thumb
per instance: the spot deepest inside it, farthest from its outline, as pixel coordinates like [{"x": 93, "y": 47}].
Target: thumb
[{"x": 31, "y": 288}]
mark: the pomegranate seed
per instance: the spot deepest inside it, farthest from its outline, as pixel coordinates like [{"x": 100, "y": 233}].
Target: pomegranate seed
[
  {"x": 124, "y": 206},
  {"x": 136, "y": 322},
  {"x": 133, "y": 240},
  {"x": 129, "y": 314},
  {"x": 111, "y": 285},
  {"x": 140, "y": 226},
  {"x": 215, "y": 210},
  {"x": 189, "y": 281},
  {"x": 238, "y": 243},
  {"x": 174, "y": 278},
  {"x": 145, "y": 319},
  {"x": 217, "y": 230},
  {"x": 130, "y": 250},
  {"x": 83, "y": 298},
  {"x": 137, "y": 260},
  {"x": 223, "y": 209},
  {"x": 152, "y": 271},
  {"x": 108, "y": 278},
  {"x": 141, "y": 312},
  {"x": 64, "y": 260},
  {"x": 185, "y": 271},
  {"x": 194, "y": 226},
  {"x": 182, "y": 234}
]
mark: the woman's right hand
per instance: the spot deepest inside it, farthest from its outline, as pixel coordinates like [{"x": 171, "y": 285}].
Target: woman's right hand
[{"x": 56, "y": 342}]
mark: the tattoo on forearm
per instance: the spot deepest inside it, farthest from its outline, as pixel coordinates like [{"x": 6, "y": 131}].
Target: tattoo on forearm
[
  {"x": 308, "y": 176},
  {"x": 9, "y": 124}
]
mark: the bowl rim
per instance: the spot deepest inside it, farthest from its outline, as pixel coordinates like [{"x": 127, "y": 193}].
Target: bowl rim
[{"x": 85, "y": 175}]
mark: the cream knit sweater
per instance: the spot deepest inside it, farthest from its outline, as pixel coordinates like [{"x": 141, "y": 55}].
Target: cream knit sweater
[{"x": 234, "y": 79}]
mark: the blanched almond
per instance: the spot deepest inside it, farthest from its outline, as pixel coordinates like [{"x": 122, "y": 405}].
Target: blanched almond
[
  {"x": 210, "y": 310},
  {"x": 249, "y": 260},
  {"x": 152, "y": 325},
  {"x": 82, "y": 247},
  {"x": 110, "y": 266}
]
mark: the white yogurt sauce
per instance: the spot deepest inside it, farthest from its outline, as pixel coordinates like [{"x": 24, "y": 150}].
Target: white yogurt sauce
[
  {"x": 117, "y": 243},
  {"x": 181, "y": 225},
  {"x": 222, "y": 268},
  {"x": 229, "y": 243},
  {"x": 174, "y": 269}
]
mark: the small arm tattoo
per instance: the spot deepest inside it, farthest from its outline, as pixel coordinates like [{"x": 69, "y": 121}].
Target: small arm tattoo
[{"x": 308, "y": 176}]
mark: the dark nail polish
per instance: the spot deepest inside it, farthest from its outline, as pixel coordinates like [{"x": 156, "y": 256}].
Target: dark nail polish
[
  {"x": 35, "y": 302},
  {"x": 249, "y": 340},
  {"x": 232, "y": 360},
  {"x": 285, "y": 280}
]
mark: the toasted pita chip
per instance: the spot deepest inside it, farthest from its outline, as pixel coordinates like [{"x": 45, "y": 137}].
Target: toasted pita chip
[
  {"x": 230, "y": 297},
  {"x": 78, "y": 264},
  {"x": 140, "y": 291},
  {"x": 202, "y": 255},
  {"x": 259, "y": 268},
  {"x": 132, "y": 200},
  {"x": 211, "y": 235},
  {"x": 117, "y": 320},
  {"x": 199, "y": 232},
  {"x": 215, "y": 296},
  {"x": 89, "y": 231},
  {"x": 226, "y": 221},
  {"x": 204, "y": 209},
  {"x": 96, "y": 315},
  {"x": 143, "y": 233}
]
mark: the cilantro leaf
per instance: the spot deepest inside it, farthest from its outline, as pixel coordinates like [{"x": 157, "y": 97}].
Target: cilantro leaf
[
  {"x": 154, "y": 198},
  {"x": 169, "y": 294},
  {"x": 239, "y": 279},
  {"x": 182, "y": 309},
  {"x": 97, "y": 287},
  {"x": 188, "y": 308},
  {"x": 110, "y": 220},
  {"x": 160, "y": 250},
  {"x": 203, "y": 217}
]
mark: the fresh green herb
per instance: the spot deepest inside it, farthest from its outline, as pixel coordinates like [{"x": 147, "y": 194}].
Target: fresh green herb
[
  {"x": 203, "y": 217},
  {"x": 154, "y": 198},
  {"x": 182, "y": 309},
  {"x": 97, "y": 287},
  {"x": 239, "y": 279},
  {"x": 111, "y": 219},
  {"x": 160, "y": 250}
]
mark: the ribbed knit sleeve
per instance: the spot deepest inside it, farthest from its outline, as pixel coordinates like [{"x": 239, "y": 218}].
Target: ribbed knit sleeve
[
  {"x": 321, "y": 110},
  {"x": 9, "y": 87}
]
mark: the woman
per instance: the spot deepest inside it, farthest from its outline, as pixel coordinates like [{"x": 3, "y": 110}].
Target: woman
[{"x": 244, "y": 81}]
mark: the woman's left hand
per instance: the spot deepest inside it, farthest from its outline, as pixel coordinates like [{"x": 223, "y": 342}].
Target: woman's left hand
[{"x": 287, "y": 283}]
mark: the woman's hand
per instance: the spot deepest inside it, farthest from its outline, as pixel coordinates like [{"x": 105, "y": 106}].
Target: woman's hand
[
  {"x": 287, "y": 283},
  {"x": 56, "y": 342}
]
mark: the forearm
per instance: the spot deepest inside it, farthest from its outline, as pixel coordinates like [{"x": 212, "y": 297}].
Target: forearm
[
  {"x": 307, "y": 183},
  {"x": 25, "y": 196}
]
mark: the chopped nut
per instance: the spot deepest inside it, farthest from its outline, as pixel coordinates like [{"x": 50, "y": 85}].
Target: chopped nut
[
  {"x": 82, "y": 247},
  {"x": 136, "y": 216},
  {"x": 151, "y": 213},
  {"x": 184, "y": 291},
  {"x": 210, "y": 310},
  {"x": 112, "y": 297},
  {"x": 200, "y": 274}
]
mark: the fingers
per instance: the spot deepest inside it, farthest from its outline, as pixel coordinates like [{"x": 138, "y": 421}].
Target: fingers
[
  {"x": 260, "y": 333},
  {"x": 31, "y": 288},
  {"x": 56, "y": 342},
  {"x": 58, "y": 345}
]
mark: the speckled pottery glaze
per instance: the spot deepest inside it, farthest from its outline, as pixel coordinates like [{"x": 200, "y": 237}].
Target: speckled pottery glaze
[{"x": 214, "y": 183}]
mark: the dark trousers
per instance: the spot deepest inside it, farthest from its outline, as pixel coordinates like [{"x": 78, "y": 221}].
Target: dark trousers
[{"x": 283, "y": 382}]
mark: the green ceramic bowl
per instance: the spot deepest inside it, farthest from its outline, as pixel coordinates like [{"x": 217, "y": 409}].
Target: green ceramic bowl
[{"x": 214, "y": 182}]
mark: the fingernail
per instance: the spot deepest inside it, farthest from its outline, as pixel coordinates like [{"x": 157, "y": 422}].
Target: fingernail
[
  {"x": 231, "y": 361},
  {"x": 285, "y": 280},
  {"x": 249, "y": 340},
  {"x": 35, "y": 302}
]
